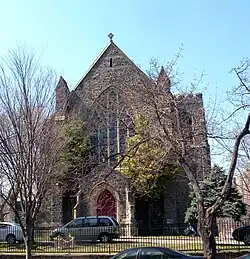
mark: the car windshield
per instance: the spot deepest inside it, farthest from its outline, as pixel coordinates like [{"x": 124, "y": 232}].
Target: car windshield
[
  {"x": 115, "y": 221},
  {"x": 13, "y": 224},
  {"x": 68, "y": 224},
  {"x": 167, "y": 250},
  {"x": 78, "y": 222}
]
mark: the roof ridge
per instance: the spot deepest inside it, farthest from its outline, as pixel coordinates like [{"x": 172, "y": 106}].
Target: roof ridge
[
  {"x": 100, "y": 55},
  {"x": 92, "y": 65}
]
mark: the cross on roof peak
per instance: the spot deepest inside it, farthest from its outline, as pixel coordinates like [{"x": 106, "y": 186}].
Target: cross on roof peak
[{"x": 111, "y": 35}]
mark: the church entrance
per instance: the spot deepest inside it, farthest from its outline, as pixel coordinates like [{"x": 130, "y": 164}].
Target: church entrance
[
  {"x": 106, "y": 204},
  {"x": 149, "y": 216}
]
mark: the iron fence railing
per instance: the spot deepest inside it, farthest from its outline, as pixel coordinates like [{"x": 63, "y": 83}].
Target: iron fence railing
[{"x": 175, "y": 236}]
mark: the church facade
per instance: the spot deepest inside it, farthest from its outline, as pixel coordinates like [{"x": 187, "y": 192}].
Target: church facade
[{"x": 102, "y": 100}]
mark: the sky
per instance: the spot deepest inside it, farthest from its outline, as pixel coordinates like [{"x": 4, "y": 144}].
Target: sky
[{"x": 69, "y": 35}]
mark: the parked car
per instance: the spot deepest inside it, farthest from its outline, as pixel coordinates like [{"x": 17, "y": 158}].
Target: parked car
[
  {"x": 10, "y": 233},
  {"x": 246, "y": 256},
  {"x": 92, "y": 228},
  {"x": 242, "y": 234},
  {"x": 153, "y": 253},
  {"x": 192, "y": 230}
]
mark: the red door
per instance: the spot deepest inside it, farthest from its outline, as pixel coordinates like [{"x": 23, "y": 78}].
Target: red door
[{"x": 106, "y": 204}]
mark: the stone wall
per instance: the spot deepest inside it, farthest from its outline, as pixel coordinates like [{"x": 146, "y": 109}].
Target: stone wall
[
  {"x": 199, "y": 150},
  {"x": 176, "y": 199},
  {"x": 114, "y": 70}
]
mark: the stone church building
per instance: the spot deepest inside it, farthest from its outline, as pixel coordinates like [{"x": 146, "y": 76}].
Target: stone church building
[{"x": 102, "y": 100}]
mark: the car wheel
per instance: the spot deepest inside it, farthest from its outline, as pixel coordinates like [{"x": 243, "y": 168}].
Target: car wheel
[
  {"x": 246, "y": 239},
  {"x": 11, "y": 239},
  {"x": 104, "y": 238}
]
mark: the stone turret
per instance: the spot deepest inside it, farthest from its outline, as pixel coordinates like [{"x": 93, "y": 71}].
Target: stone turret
[
  {"x": 163, "y": 80},
  {"x": 62, "y": 93}
]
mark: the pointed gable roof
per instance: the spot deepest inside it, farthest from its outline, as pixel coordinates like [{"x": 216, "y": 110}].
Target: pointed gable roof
[
  {"x": 110, "y": 48},
  {"x": 62, "y": 85}
]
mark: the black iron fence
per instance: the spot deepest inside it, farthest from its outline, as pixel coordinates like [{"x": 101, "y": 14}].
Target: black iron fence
[{"x": 112, "y": 239}]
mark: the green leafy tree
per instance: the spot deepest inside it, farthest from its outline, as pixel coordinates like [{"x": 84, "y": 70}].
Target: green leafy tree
[
  {"x": 211, "y": 188},
  {"x": 144, "y": 164},
  {"x": 73, "y": 160}
]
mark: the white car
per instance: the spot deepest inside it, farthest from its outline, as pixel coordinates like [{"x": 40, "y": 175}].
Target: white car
[{"x": 10, "y": 233}]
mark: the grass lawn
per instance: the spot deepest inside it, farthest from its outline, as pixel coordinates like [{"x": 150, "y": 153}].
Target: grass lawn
[
  {"x": 186, "y": 244},
  {"x": 92, "y": 248}
]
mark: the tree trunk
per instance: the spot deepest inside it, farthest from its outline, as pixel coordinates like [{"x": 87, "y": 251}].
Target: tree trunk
[
  {"x": 1, "y": 215},
  {"x": 33, "y": 233},
  {"x": 29, "y": 239},
  {"x": 149, "y": 218},
  {"x": 206, "y": 228},
  {"x": 28, "y": 247}
]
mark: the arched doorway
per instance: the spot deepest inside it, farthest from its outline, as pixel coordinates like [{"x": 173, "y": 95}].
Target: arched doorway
[{"x": 106, "y": 204}]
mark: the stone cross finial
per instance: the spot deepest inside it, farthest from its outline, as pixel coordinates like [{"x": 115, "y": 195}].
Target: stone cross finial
[{"x": 111, "y": 35}]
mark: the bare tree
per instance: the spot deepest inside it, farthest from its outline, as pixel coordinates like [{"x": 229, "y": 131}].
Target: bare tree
[
  {"x": 239, "y": 98},
  {"x": 28, "y": 139},
  {"x": 5, "y": 210},
  {"x": 177, "y": 124}
]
